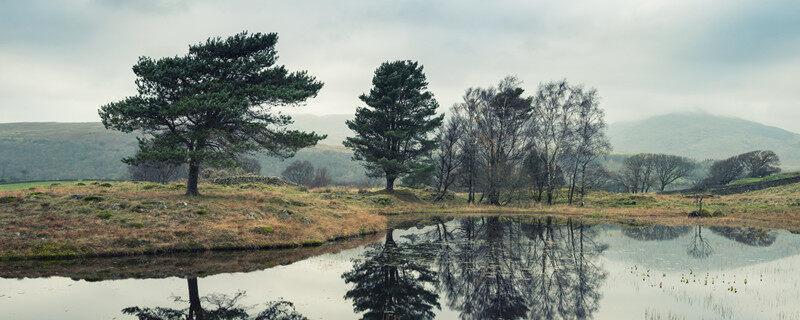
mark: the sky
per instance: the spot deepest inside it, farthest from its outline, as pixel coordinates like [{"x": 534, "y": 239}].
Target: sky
[{"x": 60, "y": 61}]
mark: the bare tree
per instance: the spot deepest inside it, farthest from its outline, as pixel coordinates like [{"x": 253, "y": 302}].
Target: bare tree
[
  {"x": 589, "y": 138},
  {"x": 637, "y": 173},
  {"x": 299, "y": 172},
  {"x": 669, "y": 168},
  {"x": 468, "y": 172},
  {"x": 723, "y": 172},
  {"x": 448, "y": 161},
  {"x": 552, "y": 128},
  {"x": 760, "y": 163},
  {"x": 156, "y": 171},
  {"x": 321, "y": 178},
  {"x": 499, "y": 116}
]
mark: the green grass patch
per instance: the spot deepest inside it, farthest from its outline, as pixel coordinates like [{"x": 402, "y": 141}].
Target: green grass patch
[
  {"x": 265, "y": 230},
  {"x": 772, "y": 177},
  {"x": 105, "y": 215}
]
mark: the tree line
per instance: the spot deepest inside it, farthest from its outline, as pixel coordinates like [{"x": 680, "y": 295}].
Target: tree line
[
  {"x": 496, "y": 142},
  {"x": 214, "y": 107}
]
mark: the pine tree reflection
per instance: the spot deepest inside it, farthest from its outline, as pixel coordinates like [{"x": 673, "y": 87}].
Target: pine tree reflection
[
  {"x": 394, "y": 281},
  {"x": 218, "y": 307}
]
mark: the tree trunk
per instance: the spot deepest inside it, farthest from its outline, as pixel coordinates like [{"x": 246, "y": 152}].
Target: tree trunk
[
  {"x": 390, "y": 183},
  {"x": 572, "y": 184},
  {"x": 194, "y": 300},
  {"x": 191, "y": 182}
]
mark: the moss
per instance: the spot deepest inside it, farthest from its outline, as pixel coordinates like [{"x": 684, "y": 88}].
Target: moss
[
  {"x": 105, "y": 215},
  {"x": 53, "y": 249},
  {"x": 264, "y": 230}
]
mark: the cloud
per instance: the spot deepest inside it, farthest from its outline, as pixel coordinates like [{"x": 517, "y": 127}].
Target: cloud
[{"x": 728, "y": 57}]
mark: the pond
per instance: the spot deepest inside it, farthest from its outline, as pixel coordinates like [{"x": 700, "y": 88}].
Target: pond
[{"x": 466, "y": 268}]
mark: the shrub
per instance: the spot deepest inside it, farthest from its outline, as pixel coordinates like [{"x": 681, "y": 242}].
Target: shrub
[
  {"x": 703, "y": 213},
  {"x": 9, "y": 199},
  {"x": 92, "y": 198}
]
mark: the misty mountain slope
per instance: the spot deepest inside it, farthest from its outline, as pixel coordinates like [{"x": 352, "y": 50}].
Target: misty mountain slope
[
  {"x": 55, "y": 151},
  {"x": 703, "y": 136},
  {"x": 333, "y": 125},
  {"x": 51, "y": 150}
]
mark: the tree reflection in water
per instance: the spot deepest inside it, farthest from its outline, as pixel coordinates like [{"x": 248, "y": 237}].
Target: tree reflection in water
[
  {"x": 485, "y": 268},
  {"x": 750, "y": 236},
  {"x": 394, "y": 281},
  {"x": 699, "y": 247},
  {"x": 217, "y": 307}
]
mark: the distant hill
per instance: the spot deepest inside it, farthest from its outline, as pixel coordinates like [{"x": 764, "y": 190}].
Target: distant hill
[
  {"x": 48, "y": 151},
  {"x": 333, "y": 125},
  {"x": 704, "y": 136},
  {"x": 52, "y": 151}
]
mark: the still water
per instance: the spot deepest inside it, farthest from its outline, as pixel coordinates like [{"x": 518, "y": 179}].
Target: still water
[{"x": 469, "y": 268}]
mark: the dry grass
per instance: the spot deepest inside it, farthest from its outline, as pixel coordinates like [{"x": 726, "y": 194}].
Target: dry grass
[
  {"x": 98, "y": 219},
  {"x": 128, "y": 218}
]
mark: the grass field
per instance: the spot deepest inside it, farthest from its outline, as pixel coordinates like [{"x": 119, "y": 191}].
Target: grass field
[
  {"x": 121, "y": 218},
  {"x": 36, "y": 184}
]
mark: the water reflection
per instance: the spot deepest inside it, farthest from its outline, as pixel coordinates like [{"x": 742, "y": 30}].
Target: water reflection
[
  {"x": 467, "y": 269},
  {"x": 699, "y": 247},
  {"x": 393, "y": 281},
  {"x": 749, "y": 236},
  {"x": 655, "y": 232},
  {"x": 217, "y": 307},
  {"x": 486, "y": 268}
]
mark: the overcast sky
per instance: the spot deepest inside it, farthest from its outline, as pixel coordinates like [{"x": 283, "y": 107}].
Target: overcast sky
[{"x": 59, "y": 61}]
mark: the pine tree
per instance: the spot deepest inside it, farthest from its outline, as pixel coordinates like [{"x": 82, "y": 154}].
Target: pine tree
[
  {"x": 213, "y": 104},
  {"x": 393, "y": 131}
]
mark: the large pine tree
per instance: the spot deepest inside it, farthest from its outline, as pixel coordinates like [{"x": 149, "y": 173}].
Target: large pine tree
[
  {"x": 393, "y": 131},
  {"x": 213, "y": 104}
]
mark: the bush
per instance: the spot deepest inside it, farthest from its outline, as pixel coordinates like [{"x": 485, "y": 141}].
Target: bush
[
  {"x": 703, "y": 213},
  {"x": 9, "y": 199},
  {"x": 92, "y": 198}
]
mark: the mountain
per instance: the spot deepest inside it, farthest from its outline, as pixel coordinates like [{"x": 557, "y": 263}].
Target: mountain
[{"x": 703, "y": 136}]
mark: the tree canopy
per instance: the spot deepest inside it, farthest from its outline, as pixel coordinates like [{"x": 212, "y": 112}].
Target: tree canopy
[
  {"x": 393, "y": 131},
  {"x": 214, "y": 103}
]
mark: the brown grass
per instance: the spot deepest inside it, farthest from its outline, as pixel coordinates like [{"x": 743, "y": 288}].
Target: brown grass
[
  {"x": 101, "y": 219},
  {"x": 130, "y": 218}
]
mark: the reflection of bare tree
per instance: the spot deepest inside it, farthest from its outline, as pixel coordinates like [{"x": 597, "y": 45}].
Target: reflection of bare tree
[
  {"x": 218, "y": 307},
  {"x": 699, "y": 247},
  {"x": 749, "y": 236},
  {"x": 393, "y": 281},
  {"x": 654, "y": 232},
  {"x": 495, "y": 268}
]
